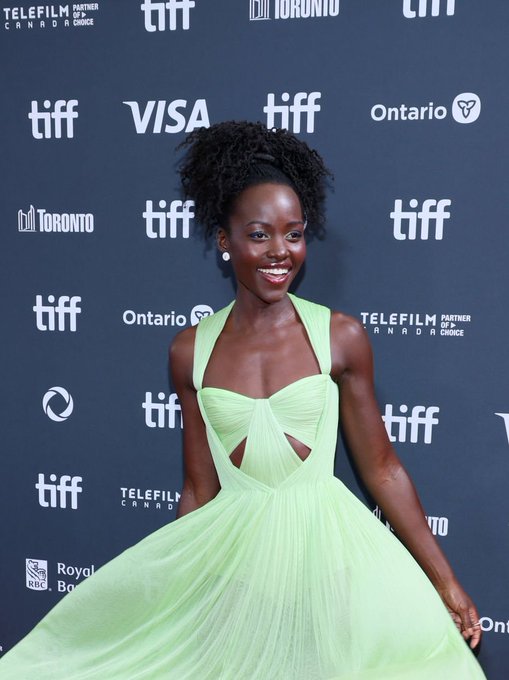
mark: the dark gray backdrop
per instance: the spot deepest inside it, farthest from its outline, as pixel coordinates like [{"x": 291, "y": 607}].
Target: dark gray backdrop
[{"x": 444, "y": 165}]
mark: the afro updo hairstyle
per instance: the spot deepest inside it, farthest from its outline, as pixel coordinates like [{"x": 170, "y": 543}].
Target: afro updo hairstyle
[{"x": 226, "y": 158}]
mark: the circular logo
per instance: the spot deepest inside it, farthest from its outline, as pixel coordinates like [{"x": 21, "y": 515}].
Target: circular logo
[
  {"x": 198, "y": 312},
  {"x": 466, "y": 107},
  {"x": 69, "y": 404}
]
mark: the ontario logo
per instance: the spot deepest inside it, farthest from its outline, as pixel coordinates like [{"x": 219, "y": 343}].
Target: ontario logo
[
  {"x": 465, "y": 108},
  {"x": 36, "y": 574}
]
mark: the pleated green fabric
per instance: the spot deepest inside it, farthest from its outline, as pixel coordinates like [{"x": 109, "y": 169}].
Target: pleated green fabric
[{"x": 284, "y": 575}]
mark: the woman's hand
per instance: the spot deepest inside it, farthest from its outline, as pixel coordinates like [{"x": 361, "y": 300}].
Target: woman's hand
[{"x": 463, "y": 612}]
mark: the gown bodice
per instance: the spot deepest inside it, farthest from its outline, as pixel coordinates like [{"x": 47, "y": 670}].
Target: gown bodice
[{"x": 306, "y": 409}]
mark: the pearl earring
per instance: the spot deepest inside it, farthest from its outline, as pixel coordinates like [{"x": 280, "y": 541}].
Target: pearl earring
[{"x": 226, "y": 255}]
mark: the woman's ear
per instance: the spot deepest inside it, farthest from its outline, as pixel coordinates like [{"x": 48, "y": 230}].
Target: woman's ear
[{"x": 222, "y": 240}]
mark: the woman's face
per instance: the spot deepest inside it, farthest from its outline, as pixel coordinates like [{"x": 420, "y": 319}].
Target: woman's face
[{"x": 265, "y": 239}]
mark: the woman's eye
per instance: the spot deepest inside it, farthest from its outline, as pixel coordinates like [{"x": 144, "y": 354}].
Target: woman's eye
[
  {"x": 295, "y": 235},
  {"x": 257, "y": 235}
]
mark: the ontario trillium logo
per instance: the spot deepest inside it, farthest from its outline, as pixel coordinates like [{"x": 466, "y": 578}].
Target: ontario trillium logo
[
  {"x": 466, "y": 107},
  {"x": 198, "y": 312}
]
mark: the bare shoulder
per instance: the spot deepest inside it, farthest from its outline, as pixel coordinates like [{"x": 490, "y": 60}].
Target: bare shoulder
[
  {"x": 181, "y": 352},
  {"x": 350, "y": 345}
]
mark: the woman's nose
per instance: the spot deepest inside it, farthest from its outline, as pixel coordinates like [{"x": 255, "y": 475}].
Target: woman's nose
[{"x": 278, "y": 247}]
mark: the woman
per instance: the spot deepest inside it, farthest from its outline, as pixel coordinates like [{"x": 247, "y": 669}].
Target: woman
[{"x": 273, "y": 569}]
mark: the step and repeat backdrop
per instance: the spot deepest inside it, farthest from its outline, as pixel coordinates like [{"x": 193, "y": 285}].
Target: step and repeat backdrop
[{"x": 407, "y": 101}]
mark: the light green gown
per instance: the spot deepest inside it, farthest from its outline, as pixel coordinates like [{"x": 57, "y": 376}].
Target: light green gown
[{"x": 284, "y": 575}]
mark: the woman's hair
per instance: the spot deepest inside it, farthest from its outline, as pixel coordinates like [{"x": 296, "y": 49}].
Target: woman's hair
[{"x": 226, "y": 158}]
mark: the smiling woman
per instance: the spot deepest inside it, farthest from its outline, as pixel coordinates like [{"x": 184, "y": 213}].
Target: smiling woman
[{"x": 273, "y": 569}]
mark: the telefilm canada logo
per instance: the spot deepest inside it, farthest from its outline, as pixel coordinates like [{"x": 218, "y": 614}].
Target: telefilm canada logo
[
  {"x": 148, "y": 499},
  {"x": 465, "y": 109},
  {"x": 149, "y": 318},
  {"x": 263, "y": 10},
  {"x": 413, "y": 324},
  {"x": 36, "y": 220},
  {"x": 66, "y": 576},
  {"x": 81, "y": 14}
]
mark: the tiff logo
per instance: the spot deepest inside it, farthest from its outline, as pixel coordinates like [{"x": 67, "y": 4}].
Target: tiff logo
[
  {"x": 26, "y": 221},
  {"x": 56, "y": 495},
  {"x": 259, "y": 10},
  {"x": 166, "y": 14},
  {"x": 64, "y": 110},
  {"x": 423, "y": 5},
  {"x": 164, "y": 413},
  {"x": 505, "y": 418},
  {"x": 158, "y": 221},
  {"x": 303, "y": 104},
  {"x": 432, "y": 213},
  {"x": 421, "y": 417},
  {"x": 47, "y": 314}
]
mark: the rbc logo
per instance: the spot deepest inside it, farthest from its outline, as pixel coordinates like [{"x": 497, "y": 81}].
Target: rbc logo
[
  {"x": 64, "y": 110},
  {"x": 422, "y": 10},
  {"x": 303, "y": 104},
  {"x": 36, "y": 574},
  {"x": 432, "y": 212},
  {"x": 166, "y": 11},
  {"x": 68, "y": 400},
  {"x": 158, "y": 221},
  {"x": 164, "y": 413},
  {"x": 67, "y": 486},
  {"x": 46, "y": 315},
  {"x": 199, "y": 116},
  {"x": 421, "y": 417}
]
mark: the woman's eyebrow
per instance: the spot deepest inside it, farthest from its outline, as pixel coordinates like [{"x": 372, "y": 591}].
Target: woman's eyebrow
[{"x": 268, "y": 224}]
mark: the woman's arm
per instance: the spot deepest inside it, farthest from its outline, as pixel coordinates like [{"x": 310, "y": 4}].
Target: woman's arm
[
  {"x": 201, "y": 482},
  {"x": 382, "y": 472}
]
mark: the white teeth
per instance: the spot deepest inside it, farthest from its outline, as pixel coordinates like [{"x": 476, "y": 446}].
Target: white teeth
[{"x": 277, "y": 272}]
